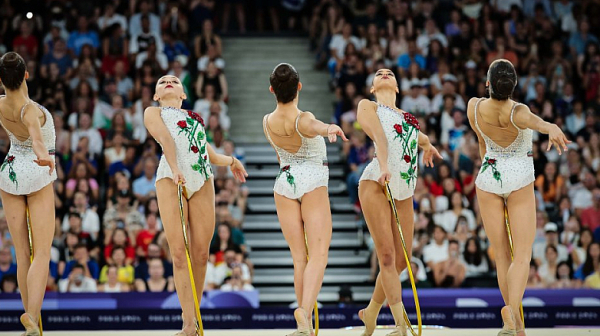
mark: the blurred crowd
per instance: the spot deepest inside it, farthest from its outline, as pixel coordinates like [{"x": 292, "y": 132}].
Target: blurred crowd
[
  {"x": 440, "y": 51},
  {"x": 94, "y": 65}
]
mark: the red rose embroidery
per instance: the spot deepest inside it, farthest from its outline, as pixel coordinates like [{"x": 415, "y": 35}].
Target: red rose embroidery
[
  {"x": 286, "y": 168},
  {"x": 194, "y": 149},
  {"x": 196, "y": 117},
  {"x": 406, "y": 158},
  {"x": 205, "y": 157},
  {"x": 411, "y": 120},
  {"x": 491, "y": 161},
  {"x": 182, "y": 124},
  {"x": 398, "y": 128},
  {"x": 10, "y": 158}
]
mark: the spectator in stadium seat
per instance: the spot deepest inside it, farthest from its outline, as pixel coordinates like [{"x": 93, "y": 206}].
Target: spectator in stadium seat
[
  {"x": 502, "y": 51},
  {"x": 534, "y": 280},
  {"x": 125, "y": 272},
  {"x": 540, "y": 251},
  {"x": 338, "y": 44},
  {"x": 136, "y": 21},
  {"x": 235, "y": 283},
  {"x": 449, "y": 87},
  {"x": 156, "y": 56},
  {"x": 209, "y": 97},
  {"x": 565, "y": 277},
  {"x": 430, "y": 33},
  {"x": 223, "y": 269},
  {"x": 7, "y": 266},
  {"x": 211, "y": 56},
  {"x": 576, "y": 119},
  {"x": 110, "y": 17},
  {"x": 139, "y": 130},
  {"x": 590, "y": 217},
  {"x": 8, "y": 284},
  {"x": 449, "y": 218},
  {"x": 77, "y": 282},
  {"x": 143, "y": 187},
  {"x": 112, "y": 284},
  {"x": 548, "y": 269},
  {"x": 82, "y": 36},
  {"x": 212, "y": 76},
  {"x": 451, "y": 138},
  {"x": 119, "y": 239},
  {"x": 80, "y": 170},
  {"x": 206, "y": 39},
  {"x": 26, "y": 43},
  {"x": 416, "y": 103},
  {"x": 178, "y": 69},
  {"x": 117, "y": 152},
  {"x": 123, "y": 210},
  {"x": 84, "y": 72},
  {"x": 450, "y": 272},
  {"x": 474, "y": 259},
  {"x": 85, "y": 238},
  {"x": 580, "y": 39},
  {"x": 551, "y": 184},
  {"x": 140, "y": 41},
  {"x": 412, "y": 55},
  {"x": 592, "y": 262},
  {"x": 81, "y": 258},
  {"x": 437, "y": 250},
  {"x": 358, "y": 157},
  {"x": 226, "y": 238},
  {"x": 115, "y": 47},
  {"x": 398, "y": 43},
  {"x": 174, "y": 47},
  {"x": 146, "y": 236},
  {"x": 90, "y": 222},
  {"x": 156, "y": 281},
  {"x": 154, "y": 252},
  {"x": 59, "y": 56}
]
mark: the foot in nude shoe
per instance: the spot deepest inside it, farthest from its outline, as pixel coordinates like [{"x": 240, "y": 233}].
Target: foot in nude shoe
[
  {"x": 509, "y": 322},
  {"x": 31, "y": 327},
  {"x": 369, "y": 327},
  {"x": 399, "y": 331}
]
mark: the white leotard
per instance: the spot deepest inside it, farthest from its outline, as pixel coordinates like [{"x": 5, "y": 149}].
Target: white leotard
[
  {"x": 303, "y": 171},
  {"x": 187, "y": 130},
  {"x": 19, "y": 175},
  {"x": 402, "y": 133},
  {"x": 506, "y": 169}
]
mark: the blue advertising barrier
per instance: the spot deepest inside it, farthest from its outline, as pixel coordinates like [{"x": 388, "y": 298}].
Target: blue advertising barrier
[{"x": 471, "y": 308}]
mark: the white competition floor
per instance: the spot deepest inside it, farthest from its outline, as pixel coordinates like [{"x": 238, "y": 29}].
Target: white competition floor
[{"x": 324, "y": 332}]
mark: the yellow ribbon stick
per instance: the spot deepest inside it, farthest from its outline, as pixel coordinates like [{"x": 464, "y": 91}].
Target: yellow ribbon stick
[
  {"x": 199, "y": 327},
  {"x": 316, "y": 305},
  {"x": 31, "y": 250},
  {"x": 510, "y": 243},
  {"x": 408, "y": 266}
]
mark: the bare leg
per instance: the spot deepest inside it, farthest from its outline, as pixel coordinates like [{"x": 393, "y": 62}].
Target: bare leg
[
  {"x": 41, "y": 207},
  {"x": 316, "y": 215},
  {"x": 15, "y": 211},
  {"x": 202, "y": 226},
  {"x": 406, "y": 217},
  {"x": 493, "y": 222},
  {"x": 521, "y": 212},
  {"x": 290, "y": 218},
  {"x": 379, "y": 221},
  {"x": 168, "y": 206}
]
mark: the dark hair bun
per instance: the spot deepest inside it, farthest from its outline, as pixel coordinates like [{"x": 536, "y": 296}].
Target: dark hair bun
[
  {"x": 503, "y": 79},
  {"x": 284, "y": 81},
  {"x": 12, "y": 70}
]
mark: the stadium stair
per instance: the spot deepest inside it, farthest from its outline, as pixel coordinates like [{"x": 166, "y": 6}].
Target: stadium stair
[{"x": 250, "y": 61}]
